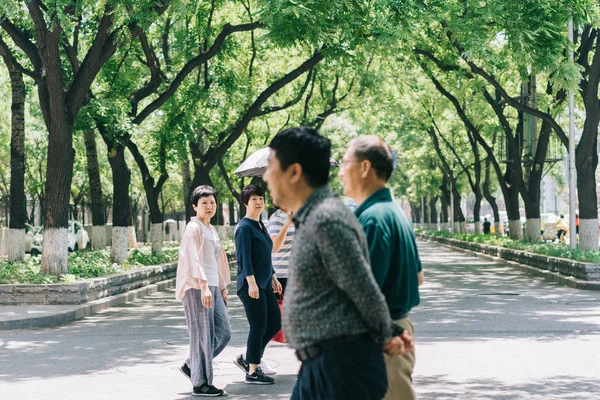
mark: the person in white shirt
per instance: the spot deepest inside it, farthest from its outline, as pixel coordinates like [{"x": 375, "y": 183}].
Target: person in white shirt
[{"x": 201, "y": 284}]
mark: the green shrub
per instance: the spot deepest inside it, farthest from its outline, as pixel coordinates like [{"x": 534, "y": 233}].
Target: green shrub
[
  {"x": 228, "y": 245},
  {"x": 83, "y": 265},
  {"x": 549, "y": 249}
]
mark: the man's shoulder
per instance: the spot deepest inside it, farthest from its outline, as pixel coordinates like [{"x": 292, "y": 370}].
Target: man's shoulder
[
  {"x": 332, "y": 209},
  {"x": 380, "y": 210}
]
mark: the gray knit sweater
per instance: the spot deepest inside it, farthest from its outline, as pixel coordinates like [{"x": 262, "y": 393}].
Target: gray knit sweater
[{"x": 331, "y": 291}]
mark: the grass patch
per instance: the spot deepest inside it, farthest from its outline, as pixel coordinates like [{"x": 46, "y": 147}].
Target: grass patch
[
  {"x": 549, "y": 249},
  {"x": 228, "y": 245},
  {"x": 83, "y": 265}
]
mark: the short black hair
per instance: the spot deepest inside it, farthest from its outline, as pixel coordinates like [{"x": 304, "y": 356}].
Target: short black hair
[
  {"x": 203, "y": 191},
  {"x": 307, "y": 147},
  {"x": 377, "y": 151},
  {"x": 250, "y": 190}
]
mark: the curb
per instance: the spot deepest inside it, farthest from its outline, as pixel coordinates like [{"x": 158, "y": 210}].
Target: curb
[
  {"x": 84, "y": 310},
  {"x": 547, "y": 275}
]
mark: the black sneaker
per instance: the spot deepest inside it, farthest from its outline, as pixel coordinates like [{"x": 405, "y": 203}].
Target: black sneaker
[
  {"x": 259, "y": 378},
  {"x": 207, "y": 390},
  {"x": 186, "y": 371},
  {"x": 242, "y": 364}
]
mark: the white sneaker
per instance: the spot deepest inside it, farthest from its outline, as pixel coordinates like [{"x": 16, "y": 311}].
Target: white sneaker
[{"x": 267, "y": 369}]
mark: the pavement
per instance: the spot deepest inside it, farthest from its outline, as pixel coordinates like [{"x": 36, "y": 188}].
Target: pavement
[{"x": 485, "y": 330}]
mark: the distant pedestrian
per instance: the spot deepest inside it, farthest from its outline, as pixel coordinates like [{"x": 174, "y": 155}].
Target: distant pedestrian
[
  {"x": 202, "y": 279},
  {"x": 365, "y": 169},
  {"x": 335, "y": 316},
  {"x": 256, "y": 285},
  {"x": 487, "y": 226},
  {"x": 562, "y": 228}
]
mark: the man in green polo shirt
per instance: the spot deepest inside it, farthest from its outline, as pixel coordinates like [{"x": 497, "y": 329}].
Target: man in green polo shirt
[{"x": 365, "y": 170}]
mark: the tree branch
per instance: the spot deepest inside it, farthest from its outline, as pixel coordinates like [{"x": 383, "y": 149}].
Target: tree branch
[
  {"x": 10, "y": 59},
  {"x": 214, "y": 154},
  {"x": 191, "y": 65},
  {"x": 295, "y": 100},
  {"x": 103, "y": 47},
  {"x": 234, "y": 192},
  {"x": 308, "y": 97},
  {"x": 156, "y": 76},
  {"x": 165, "y": 43},
  {"x": 510, "y": 100},
  {"x": 23, "y": 41}
]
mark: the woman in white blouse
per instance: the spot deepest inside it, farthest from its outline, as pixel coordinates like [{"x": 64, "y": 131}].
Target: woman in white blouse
[{"x": 202, "y": 279}]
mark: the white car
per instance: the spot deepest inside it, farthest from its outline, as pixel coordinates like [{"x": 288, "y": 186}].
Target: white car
[
  {"x": 548, "y": 225},
  {"x": 78, "y": 238}
]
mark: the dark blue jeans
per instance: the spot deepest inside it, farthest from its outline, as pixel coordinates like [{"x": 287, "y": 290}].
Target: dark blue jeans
[
  {"x": 354, "y": 370},
  {"x": 264, "y": 318}
]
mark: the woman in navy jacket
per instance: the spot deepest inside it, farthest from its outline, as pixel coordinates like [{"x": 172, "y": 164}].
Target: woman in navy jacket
[{"x": 256, "y": 285}]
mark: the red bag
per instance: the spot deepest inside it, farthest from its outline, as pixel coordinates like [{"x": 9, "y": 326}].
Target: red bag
[{"x": 279, "y": 337}]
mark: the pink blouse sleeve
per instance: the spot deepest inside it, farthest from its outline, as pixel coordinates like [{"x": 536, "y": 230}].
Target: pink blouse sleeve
[
  {"x": 189, "y": 268},
  {"x": 224, "y": 274}
]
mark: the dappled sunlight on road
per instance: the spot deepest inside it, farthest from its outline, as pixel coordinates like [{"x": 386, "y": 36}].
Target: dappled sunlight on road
[
  {"x": 486, "y": 330},
  {"x": 441, "y": 387},
  {"x": 463, "y": 292}
]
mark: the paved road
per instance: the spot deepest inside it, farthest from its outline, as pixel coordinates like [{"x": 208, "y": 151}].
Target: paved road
[
  {"x": 485, "y": 331},
  {"x": 488, "y": 331}
]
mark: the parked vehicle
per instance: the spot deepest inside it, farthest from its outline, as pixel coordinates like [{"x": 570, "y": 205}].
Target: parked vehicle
[
  {"x": 548, "y": 225},
  {"x": 30, "y": 232},
  {"x": 78, "y": 238}
]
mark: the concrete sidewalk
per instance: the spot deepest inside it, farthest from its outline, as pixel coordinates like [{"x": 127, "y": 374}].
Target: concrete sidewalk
[{"x": 41, "y": 316}]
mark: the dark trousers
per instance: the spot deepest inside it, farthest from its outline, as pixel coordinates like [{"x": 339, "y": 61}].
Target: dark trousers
[
  {"x": 354, "y": 370},
  {"x": 264, "y": 318}
]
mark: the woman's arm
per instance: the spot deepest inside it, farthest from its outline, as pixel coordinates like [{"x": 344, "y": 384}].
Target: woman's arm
[
  {"x": 279, "y": 238},
  {"x": 278, "y": 229}
]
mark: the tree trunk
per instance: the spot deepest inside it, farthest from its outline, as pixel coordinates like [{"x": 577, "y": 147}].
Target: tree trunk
[
  {"x": 97, "y": 206},
  {"x": 477, "y": 212},
  {"x": 18, "y": 211},
  {"x": 59, "y": 118},
  {"x": 445, "y": 201},
  {"x": 491, "y": 199},
  {"x": 459, "y": 217},
  {"x": 121, "y": 180},
  {"x": 586, "y": 160},
  {"x": 415, "y": 209},
  {"x": 187, "y": 181},
  {"x": 531, "y": 193},
  {"x": 511, "y": 199},
  {"x": 231, "y": 213},
  {"x": 131, "y": 234},
  {"x": 586, "y": 156},
  {"x": 156, "y": 217},
  {"x": 59, "y": 172},
  {"x": 433, "y": 212},
  {"x": 513, "y": 179}
]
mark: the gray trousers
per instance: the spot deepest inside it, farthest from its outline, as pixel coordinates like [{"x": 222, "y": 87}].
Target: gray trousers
[{"x": 209, "y": 331}]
